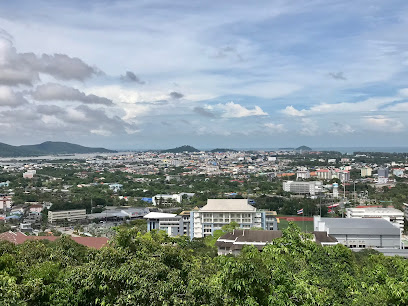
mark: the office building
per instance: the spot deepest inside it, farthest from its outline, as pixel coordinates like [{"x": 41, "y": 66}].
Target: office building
[
  {"x": 213, "y": 216},
  {"x": 69, "y": 215},
  {"x": 311, "y": 188},
  {"x": 220, "y": 212}
]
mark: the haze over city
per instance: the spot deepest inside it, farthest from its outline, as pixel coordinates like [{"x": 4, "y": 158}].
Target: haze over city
[{"x": 158, "y": 74}]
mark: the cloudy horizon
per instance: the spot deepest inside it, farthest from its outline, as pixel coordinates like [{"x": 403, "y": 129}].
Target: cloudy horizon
[{"x": 159, "y": 74}]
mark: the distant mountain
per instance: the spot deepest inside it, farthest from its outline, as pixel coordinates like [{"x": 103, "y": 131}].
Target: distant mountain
[
  {"x": 304, "y": 148},
  {"x": 181, "y": 150},
  {"x": 47, "y": 148},
  {"x": 286, "y": 149},
  {"x": 223, "y": 150}
]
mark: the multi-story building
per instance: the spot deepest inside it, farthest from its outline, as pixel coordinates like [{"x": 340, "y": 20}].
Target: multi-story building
[
  {"x": 366, "y": 171},
  {"x": 393, "y": 215},
  {"x": 311, "y": 188},
  {"x": 5, "y": 202},
  {"x": 324, "y": 174},
  {"x": 170, "y": 223},
  {"x": 302, "y": 174},
  {"x": 213, "y": 216},
  {"x": 383, "y": 175},
  {"x": 69, "y": 215},
  {"x": 220, "y": 212}
]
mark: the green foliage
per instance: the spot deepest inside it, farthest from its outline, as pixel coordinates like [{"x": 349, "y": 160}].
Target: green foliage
[{"x": 154, "y": 269}]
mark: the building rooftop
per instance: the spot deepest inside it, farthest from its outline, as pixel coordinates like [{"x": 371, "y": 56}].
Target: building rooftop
[
  {"x": 223, "y": 205},
  {"x": 159, "y": 215},
  {"x": 367, "y": 226}
]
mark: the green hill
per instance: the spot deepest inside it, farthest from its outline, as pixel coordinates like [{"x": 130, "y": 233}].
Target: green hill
[
  {"x": 47, "y": 148},
  {"x": 304, "y": 148},
  {"x": 181, "y": 149}
]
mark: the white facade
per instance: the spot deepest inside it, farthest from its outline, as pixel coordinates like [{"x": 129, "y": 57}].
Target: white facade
[
  {"x": 220, "y": 212},
  {"x": 311, "y": 188},
  {"x": 70, "y": 215},
  {"x": 393, "y": 215},
  {"x": 302, "y": 174},
  {"x": 5, "y": 202}
]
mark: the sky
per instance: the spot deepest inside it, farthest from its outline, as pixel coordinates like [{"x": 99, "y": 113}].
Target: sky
[{"x": 233, "y": 74}]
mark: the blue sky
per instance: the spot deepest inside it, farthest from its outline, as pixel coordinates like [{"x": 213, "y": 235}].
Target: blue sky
[{"x": 158, "y": 74}]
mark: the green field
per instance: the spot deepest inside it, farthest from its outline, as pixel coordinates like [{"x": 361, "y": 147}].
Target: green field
[{"x": 306, "y": 226}]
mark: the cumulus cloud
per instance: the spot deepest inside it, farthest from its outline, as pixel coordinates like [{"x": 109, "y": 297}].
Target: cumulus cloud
[
  {"x": 131, "y": 77},
  {"x": 291, "y": 111},
  {"x": 204, "y": 112},
  {"x": 276, "y": 128},
  {"x": 25, "y": 68},
  {"x": 234, "y": 110},
  {"x": 382, "y": 123},
  {"x": 176, "y": 95},
  {"x": 10, "y": 98},
  {"x": 337, "y": 76},
  {"x": 57, "y": 92},
  {"x": 368, "y": 105}
]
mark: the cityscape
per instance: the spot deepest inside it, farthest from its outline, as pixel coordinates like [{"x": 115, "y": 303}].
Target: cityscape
[{"x": 203, "y": 153}]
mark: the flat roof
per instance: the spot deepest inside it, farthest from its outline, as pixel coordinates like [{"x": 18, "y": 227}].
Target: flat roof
[
  {"x": 224, "y": 205},
  {"x": 367, "y": 226},
  {"x": 159, "y": 215}
]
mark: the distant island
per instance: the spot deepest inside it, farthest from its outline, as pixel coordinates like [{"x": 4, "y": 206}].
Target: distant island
[
  {"x": 222, "y": 150},
  {"x": 303, "y": 148},
  {"x": 47, "y": 148},
  {"x": 181, "y": 150}
]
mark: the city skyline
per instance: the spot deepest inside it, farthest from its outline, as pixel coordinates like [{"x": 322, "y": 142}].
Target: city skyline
[{"x": 138, "y": 75}]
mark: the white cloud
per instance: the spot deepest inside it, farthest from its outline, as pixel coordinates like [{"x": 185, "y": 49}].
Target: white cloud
[
  {"x": 291, "y": 111},
  {"x": 101, "y": 132},
  {"x": 277, "y": 128},
  {"x": 234, "y": 110},
  {"x": 368, "y": 105},
  {"x": 383, "y": 124},
  {"x": 9, "y": 98}
]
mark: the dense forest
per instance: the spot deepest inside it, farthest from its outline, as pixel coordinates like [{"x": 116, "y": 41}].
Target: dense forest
[{"x": 154, "y": 269}]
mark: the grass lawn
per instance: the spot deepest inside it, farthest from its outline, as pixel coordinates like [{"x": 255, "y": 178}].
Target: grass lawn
[{"x": 306, "y": 226}]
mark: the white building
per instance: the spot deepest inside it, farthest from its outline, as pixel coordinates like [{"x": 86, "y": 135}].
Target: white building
[
  {"x": 302, "y": 174},
  {"x": 5, "y": 202},
  {"x": 170, "y": 223},
  {"x": 220, "y": 212},
  {"x": 69, "y": 215},
  {"x": 311, "y": 188},
  {"x": 393, "y": 215}
]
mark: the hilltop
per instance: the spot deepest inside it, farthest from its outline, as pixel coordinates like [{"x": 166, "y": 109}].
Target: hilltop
[
  {"x": 304, "y": 148},
  {"x": 181, "y": 149},
  {"x": 47, "y": 148}
]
